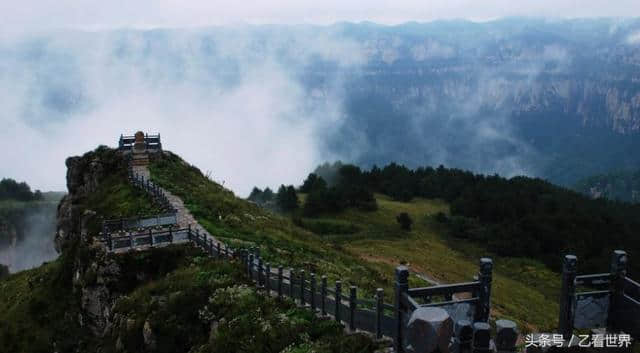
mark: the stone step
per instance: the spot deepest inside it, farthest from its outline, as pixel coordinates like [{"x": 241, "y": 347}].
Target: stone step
[{"x": 140, "y": 162}]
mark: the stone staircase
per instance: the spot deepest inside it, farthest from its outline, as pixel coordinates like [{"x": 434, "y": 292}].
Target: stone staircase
[{"x": 139, "y": 158}]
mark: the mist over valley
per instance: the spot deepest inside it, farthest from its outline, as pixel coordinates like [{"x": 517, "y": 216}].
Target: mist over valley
[{"x": 557, "y": 99}]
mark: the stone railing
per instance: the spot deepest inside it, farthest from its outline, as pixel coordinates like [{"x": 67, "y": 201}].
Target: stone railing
[
  {"x": 452, "y": 317},
  {"x": 412, "y": 325},
  {"x": 144, "y": 238},
  {"x": 123, "y": 224},
  {"x": 604, "y": 300},
  {"x": 156, "y": 192}
]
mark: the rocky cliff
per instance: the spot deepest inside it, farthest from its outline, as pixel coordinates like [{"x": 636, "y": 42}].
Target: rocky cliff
[
  {"x": 92, "y": 270},
  {"x": 84, "y": 176}
]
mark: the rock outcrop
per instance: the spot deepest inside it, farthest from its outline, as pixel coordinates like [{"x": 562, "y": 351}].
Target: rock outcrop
[
  {"x": 94, "y": 273},
  {"x": 84, "y": 175}
]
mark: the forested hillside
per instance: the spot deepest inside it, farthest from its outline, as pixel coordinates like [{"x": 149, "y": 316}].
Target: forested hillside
[{"x": 516, "y": 217}]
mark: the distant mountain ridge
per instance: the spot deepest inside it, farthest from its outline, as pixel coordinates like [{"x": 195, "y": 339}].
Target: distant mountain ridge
[{"x": 557, "y": 99}]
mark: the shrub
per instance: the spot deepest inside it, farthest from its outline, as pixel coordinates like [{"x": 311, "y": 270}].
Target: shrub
[
  {"x": 4, "y": 271},
  {"x": 326, "y": 226},
  {"x": 405, "y": 221}
]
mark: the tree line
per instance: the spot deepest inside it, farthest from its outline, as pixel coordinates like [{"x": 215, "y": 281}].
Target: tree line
[
  {"x": 349, "y": 191},
  {"x": 13, "y": 190},
  {"x": 520, "y": 216},
  {"x": 285, "y": 200}
]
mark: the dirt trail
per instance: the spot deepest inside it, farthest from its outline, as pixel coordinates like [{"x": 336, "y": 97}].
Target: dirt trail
[
  {"x": 416, "y": 271},
  {"x": 184, "y": 216}
]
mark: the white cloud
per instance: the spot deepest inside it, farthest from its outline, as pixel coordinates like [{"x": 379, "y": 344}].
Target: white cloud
[
  {"x": 241, "y": 114},
  {"x": 634, "y": 38}
]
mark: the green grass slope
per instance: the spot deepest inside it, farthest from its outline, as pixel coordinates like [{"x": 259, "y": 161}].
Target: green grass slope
[
  {"x": 363, "y": 248},
  {"x": 171, "y": 299},
  {"x": 207, "y": 306},
  {"x": 38, "y": 312}
]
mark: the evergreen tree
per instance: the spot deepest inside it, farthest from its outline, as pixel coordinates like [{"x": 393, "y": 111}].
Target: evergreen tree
[
  {"x": 11, "y": 189},
  {"x": 267, "y": 194},
  {"x": 255, "y": 195},
  {"x": 292, "y": 198},
  {"x": 405, "y": 221},
  {"x": 313, "y": 182},
  {"x": 286, "y": 198}
]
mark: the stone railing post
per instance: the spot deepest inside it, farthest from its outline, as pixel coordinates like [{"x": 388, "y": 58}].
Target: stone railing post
[
  {"x": 338, "y": 303},
  {"x": 302, "y": 301},
  {"x": 211, "y": 250},
  {"x": 352, "y": 307},
  {"x": 506, "y": 336},
  {"x": 131, "y": 240},
  {"x": 464, "y": 336},
  {"x": 618, "y": 272},
  {"x": 312, "y": 290},
  {"x": 280, "y": 281},
  {"x": 218, "y": 249},
  {"x": 260, "y": 270},
  {"x": 250, "y": 267},
  {"x": 429, "y": 330},
  {"x": 323, "y": 295},
  {"x": 401, "y": 287},
  {"x": 481, "y": 337},
  {"x": 151, "y": 237},
  {"x": 567, "y": 296},
  {"x": 379, "y": 311},
  {"x": 484, "y": 293},
  {"x": 292, "y": 280},
  {"x": 267, "y": 280}
]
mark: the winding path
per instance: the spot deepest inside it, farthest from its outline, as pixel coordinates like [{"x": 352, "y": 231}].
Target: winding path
[{"x": 184, "y": 216}]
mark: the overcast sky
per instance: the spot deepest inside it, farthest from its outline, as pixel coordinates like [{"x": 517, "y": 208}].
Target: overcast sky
[
  {"x": 107, "y": 94},
  {"x": 17, "y": 15}
]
